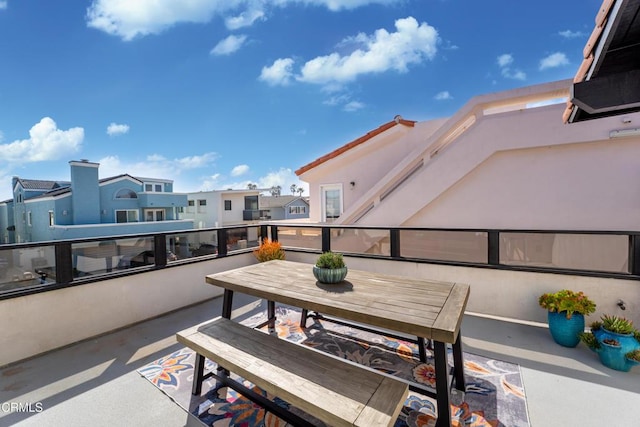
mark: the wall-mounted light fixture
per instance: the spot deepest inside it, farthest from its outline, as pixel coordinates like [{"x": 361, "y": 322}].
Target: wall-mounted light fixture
[
  {"x": 64, "y": 212},
  {"x": 621, "y": 133},
  {"x": 353, "y": 184}
]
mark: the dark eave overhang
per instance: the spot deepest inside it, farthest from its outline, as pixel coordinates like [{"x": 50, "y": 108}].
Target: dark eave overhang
[{"x": 608, "y": 81}]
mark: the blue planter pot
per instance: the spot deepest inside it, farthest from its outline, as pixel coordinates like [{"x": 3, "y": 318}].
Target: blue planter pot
[
  {"x": 614, "y": 356},
  {"x": 565, "y": 331},
  {"x": 330, "y": 275}
]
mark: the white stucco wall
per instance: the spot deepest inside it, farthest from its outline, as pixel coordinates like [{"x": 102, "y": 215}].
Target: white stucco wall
[{"x": 41, "y": 322}]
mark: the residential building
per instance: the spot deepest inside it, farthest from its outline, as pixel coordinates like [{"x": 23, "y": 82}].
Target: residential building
[
  {"x": 87, "y": 206},
  {"x": 504, "y": 160},
  {"x": 220, "y": 208},
  {"x": 284, "y": 207}
]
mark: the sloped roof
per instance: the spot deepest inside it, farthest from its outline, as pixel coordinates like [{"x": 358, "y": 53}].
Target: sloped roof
[
  {"x": 39, "y": 184},
  {"x": 266, "y": 202},
  {"x": 364, "y": 138},
  {"x": 607, "y": 82}
]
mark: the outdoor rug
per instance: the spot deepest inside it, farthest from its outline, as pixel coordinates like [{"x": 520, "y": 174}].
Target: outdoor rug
[{"x": 494, "y": 393}]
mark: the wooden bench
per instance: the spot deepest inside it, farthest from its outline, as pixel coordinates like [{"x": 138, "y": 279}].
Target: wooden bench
[{"x": 333, "y": 390}]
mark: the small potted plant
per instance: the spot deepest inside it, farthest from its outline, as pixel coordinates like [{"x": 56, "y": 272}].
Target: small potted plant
[
  {"x": 330, "y": 268},
  {"x": 269, "y": 250},
  {"x": 565, "y": 314},
  {"x": 617, "y": 342}
]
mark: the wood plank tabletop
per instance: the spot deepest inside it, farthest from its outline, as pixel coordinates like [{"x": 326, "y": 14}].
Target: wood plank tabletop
[{"x": 424, "y": 308}]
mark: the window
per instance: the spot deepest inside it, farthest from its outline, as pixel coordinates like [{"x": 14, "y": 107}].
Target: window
[
  {"x": 154, "y": 215},
  {"x": 251, "y": 203},
  {"x": 152, "y": 188},
  {"x": 125, "y": 193},
  {"x": 227, "y": 205},
  {"x": 190, "y": 206},
  {"x": 202, "y": 206},
  {"x": 331, "y": 196},
  {"x": 129, "y": 215},
  {"x": 297, "y": 210},
  {"x": 29, "y": 218},
  {"x": 51, "y": 219}
]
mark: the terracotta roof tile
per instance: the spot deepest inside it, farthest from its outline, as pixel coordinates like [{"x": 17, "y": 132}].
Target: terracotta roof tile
[{"x": 335, "y": 153}]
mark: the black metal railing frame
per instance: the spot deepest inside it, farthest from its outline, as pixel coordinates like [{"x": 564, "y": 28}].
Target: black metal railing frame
[{"x": 64, "y": 254}]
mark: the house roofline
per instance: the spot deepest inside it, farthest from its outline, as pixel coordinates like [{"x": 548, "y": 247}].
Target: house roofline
[{"x": 335, "y": 153}]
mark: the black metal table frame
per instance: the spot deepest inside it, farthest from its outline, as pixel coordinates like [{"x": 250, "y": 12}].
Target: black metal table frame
[{"x": 443, "y": 386}]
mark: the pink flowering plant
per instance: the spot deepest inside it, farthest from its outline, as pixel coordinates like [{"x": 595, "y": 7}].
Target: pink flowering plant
[{"x": 567, "y": 301}]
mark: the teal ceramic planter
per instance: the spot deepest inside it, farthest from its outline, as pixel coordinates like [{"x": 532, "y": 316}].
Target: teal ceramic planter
[
  {"x": 565, "y": 331},
  {"x": 614, "y": 356},
  {"x": 330, "y": 275}
]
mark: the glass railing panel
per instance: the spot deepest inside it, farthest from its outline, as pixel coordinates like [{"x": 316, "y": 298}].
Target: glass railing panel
[
  {"x": 360, "y": 240},
  {"x": 106, "y": 256},
  {"x": 26, "y": 267},
  {"x": 444, "y": 245},
  {"x": 590, "y": 252},
  {"x": 190, "y": 245},
  {"x": 300, "y": 237},
  {"x": 243, "y": 238}
]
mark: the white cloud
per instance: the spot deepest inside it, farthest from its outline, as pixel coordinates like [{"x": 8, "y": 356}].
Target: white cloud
[
  {"x": 3, "y": 4},
  {"x": 128, "y": 19},
  {"x": 442, "y": 96},
  {"x": 504, "y": 62},
  {"x": 353, "y": 106},
  {"x": 554, "y": 60},
  {"x": 239, "y": 170},
  {"x": 154, "y": 166},
  {"x": 279, "y": 73},
  {"x": 115, "y": 129},
  {"x": 283, "y": 177},
  {"x": 45, "y": 142},
  {"x": 229, "y": 45},
  {"x": 568, "y": 34},
  {"x": 412, "y": 43},
  {"x": 244, "y": 19}
]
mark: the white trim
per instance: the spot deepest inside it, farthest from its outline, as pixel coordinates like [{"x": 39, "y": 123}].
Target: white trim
[
  {"x": 118, "y": 179},
  {"x": 48, "y": 198}
]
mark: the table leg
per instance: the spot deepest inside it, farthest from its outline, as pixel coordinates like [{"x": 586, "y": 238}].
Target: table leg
[
  {"x": 227, "y": 303},
  {"x": 458, "y": 363},
  {"x": 303, "y": 318},
  {"x": 442, "y": 384}
]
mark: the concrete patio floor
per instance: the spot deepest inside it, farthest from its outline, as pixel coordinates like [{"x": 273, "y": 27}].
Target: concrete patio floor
[{"x": 95, "y": 382}]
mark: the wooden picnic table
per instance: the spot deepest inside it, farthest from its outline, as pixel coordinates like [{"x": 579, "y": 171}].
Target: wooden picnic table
[{"x": 426, "y": 309}]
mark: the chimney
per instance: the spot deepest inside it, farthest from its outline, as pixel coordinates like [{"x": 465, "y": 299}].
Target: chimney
[{"x": 85, "y": 192}]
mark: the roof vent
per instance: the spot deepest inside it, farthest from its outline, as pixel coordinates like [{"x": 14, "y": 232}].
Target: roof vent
[
  {"x": 397, "y": 118},
  {"x": 84, "y": 160}
]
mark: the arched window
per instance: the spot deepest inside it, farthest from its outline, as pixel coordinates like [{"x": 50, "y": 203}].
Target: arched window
[{"x": 126, "y": 193}]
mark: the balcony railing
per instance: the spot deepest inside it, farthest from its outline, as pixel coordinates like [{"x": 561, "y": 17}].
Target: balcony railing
[{"x": 37, "y": 267}]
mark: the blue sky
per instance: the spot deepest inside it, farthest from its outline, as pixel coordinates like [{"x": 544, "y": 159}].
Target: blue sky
[{"x": 215, "y": 94}]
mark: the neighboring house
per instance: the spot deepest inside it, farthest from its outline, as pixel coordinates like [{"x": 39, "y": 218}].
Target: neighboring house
[
  {"x": 90, "y": 207},
  {"x": 504, "y": 160},
  {"x": 223, "y": 207},
  {"x": 284, "y": 207}
]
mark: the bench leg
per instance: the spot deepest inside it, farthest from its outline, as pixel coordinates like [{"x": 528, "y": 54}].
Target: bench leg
[
  {"x": 271, "y": 314},
  {"x": 198, "y": 375},
  {"x": 422, "y": 350},
  {"x": 303, "y": 318},
  {"x": 442, "y": 384},
  {"x": 458, "y": 364}
]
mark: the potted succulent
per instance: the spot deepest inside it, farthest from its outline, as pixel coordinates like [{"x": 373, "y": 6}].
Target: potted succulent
[
  {"x": 269, "y": 250},
  {"x": 616, "y": 341},
  {"x": 330, "y": 268},
  {"x": 565, "y": 314}
]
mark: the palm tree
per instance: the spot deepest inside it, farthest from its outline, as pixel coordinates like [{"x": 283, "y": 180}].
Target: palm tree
[
  {"x": 276, "y": 190},
  {"x": 252, "y": 186},
  {"x": 293, "y": 188},
  {"x": 300, "y": 190}
]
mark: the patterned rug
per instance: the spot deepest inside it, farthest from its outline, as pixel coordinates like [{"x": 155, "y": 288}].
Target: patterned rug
[{"x": 494, "y": 393}]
